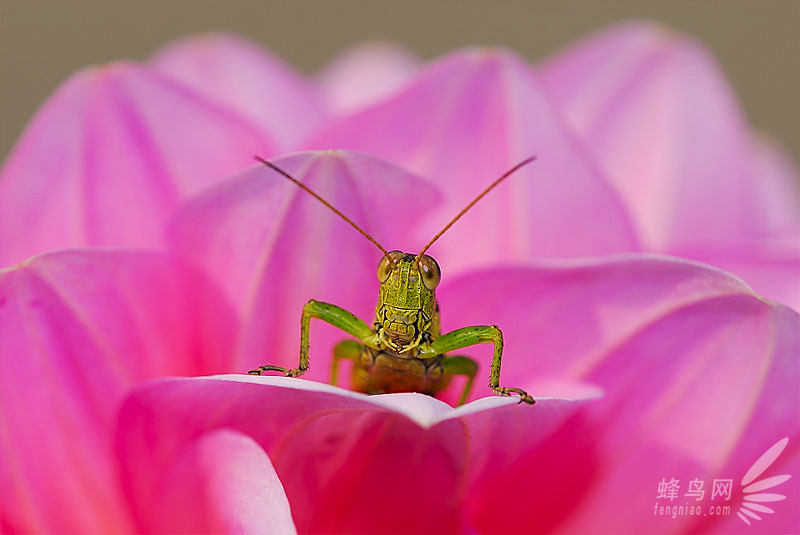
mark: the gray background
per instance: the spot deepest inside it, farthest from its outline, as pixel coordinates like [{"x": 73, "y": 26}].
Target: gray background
[{"x": 41, "y": 43}]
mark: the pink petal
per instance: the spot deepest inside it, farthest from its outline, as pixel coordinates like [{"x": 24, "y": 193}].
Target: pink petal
[
  {"x": 558, "y": 319},
  {"x": 697, "y": 372},
  {"x": 464, "y": 121},
  {"x": 365, "y": 74},
  {"x": 77, "y": 330},
  {"x": 272, "y": 247},
  {"x": 221, "y": 482},
  {"x": 334, "y": 450},
  {"x": 245, "y": 78},
  {"x": 107, "y": 158},
  {"x": 692, "y": 395},
  {"x": 657, "y": 111},
  {"x": 772, "y": 269}
]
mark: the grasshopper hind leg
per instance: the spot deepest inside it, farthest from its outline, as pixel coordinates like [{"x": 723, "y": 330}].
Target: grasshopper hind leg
[
  {"x": 460, "y": 365},
  {"x": 346, "y": 349}
]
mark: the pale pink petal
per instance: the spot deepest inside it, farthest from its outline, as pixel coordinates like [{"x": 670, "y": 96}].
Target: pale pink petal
[
  {"x": 244, "y": 77},
  {"x": 107, "y": 158},
  {"x": 365, "y": 74},
  {"x": 778, "y": 184},
  {"x": 77, "y": 330},
  {"x": 336, "y": 451},
  {"x": 463, "y": 122},
  {"x": 221, "y": 482},
  {"x": 272, "y": 247},
  {"x": 657, "y": 111},
  {"x": 770, "y": 262}
]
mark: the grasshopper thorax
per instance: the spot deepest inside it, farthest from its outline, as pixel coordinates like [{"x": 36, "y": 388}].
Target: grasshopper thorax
[{"x": 406, "y": 308}]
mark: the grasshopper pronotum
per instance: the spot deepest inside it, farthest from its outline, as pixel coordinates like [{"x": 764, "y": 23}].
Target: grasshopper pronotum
[{"x": 404, "y": 351}]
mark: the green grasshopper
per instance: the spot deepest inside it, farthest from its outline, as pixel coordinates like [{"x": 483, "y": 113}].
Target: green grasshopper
[{"x": 405, "y": 350}]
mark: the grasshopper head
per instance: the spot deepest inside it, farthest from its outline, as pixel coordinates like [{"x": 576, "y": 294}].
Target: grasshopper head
[{"x": 407, "y": 299}]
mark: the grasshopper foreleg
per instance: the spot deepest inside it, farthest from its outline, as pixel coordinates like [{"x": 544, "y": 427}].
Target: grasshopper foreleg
[
  {"x": 481, "y": 334},
  {"x": 336, "y": 316}
]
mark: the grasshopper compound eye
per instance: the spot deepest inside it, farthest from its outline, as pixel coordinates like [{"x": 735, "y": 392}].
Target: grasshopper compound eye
[
  {"x": 431, "y": 274},
  {"x": 388, "y": 261}
]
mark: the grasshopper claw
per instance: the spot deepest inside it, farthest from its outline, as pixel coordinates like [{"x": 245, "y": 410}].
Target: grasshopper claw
[
  {"x": 524, "y": 397},
  {"x": 295, "y": 372}
]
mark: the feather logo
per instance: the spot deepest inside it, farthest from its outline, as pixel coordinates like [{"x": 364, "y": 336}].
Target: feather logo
[{"x": 753, "y": 497}]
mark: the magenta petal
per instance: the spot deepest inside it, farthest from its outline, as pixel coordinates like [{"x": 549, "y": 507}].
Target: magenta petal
[
  {"x": 336, "y": 450},
  {"x": 529, "y": 474},
  {"x": 657, "y": 111},
  {"x": 364, "y": 74},
  {"x": 77, "y": 330},
  {"x": 272, "y": 247},
  {"x": 221, "y": 482},
  {"x": 464, "y": 121},
  {"x": 698, "y": 375},
  {"x": 246, "y": 78},
  {"x": 109, "y": 155}
]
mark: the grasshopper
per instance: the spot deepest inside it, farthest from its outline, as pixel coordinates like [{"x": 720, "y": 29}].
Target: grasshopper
[{"x": 404, "y": 351}]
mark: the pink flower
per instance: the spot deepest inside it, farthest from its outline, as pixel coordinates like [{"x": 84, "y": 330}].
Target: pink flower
[
  {"x": 645, "y": 368},
  {"x": 672, "y": 345}
]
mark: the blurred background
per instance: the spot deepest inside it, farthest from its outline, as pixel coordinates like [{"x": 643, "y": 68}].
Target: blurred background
[{"x": 41, "y": 43}]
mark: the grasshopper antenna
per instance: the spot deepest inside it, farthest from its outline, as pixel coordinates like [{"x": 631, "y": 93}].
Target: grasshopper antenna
[
  {"x": 323, "y": 201},
  {"x": 470, "y": 205}
]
